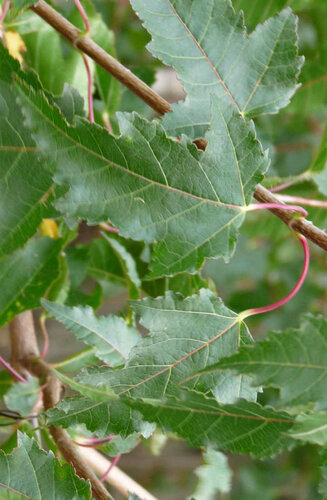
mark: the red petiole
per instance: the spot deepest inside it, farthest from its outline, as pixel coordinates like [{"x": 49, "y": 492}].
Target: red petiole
[
  {"x": 276, "y": 305},
  {"x": 4, "y": 11},
  {"x": 11, "y": 370}
]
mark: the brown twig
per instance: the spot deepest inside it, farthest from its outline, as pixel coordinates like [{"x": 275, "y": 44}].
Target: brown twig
[
  {"x": 160, "y": 105},
  {"x": 117, "y": 478},
  {"x": 301, "y": 225},
  {"x": 25, "y": 359},
  {"x": 83, "y": 43}
]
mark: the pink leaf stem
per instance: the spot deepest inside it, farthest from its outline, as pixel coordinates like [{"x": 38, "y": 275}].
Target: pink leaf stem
[
  {"x": 11, "y": 370},
  {"x": 300, "y": 178},
  {"x": 95, "y": 442},
  {"x": 45, "y": 337},
  {"x": 303, "y": 201},
  {"x": 279, "y": 206},
  {"x": 89, "y": 88},
  {"x": 4, "y": 11},
  {"x": 111, "y": 466},
  {"x": 281, "y": 187},
  {"x": 84, "y": 16},
  {"x": 276, "y": 305},
  {"x": 109, "y": 228}
]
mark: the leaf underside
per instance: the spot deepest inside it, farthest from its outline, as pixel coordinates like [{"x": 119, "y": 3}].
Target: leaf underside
[{"x": 207, "y": 44}]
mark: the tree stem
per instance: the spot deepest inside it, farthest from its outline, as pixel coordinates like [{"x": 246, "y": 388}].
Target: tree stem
[
  {"x": 117, "y": 478},
  {"x": 74, "y": 36},
  {"x": 25, "y": 359}
]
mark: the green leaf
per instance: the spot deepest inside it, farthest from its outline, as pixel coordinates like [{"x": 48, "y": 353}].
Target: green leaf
[
  {"x": 257, "y": 11},
  {"x": 79, "y": 298},
  {"x": 128, "y": 265},
  {"x": 213, "y": 477},
  {"x": 118, "y": 445},
  {"x": 65, "y": 65},
  {"x": 104, "y": 264},
  {"x": 323, "y": 482},
  {"x": 206, "y": 43},
  {"x": 191, "y": 216},
  {"x": 32, "y": 473},
  {"x": 311, "y": 428},
  {"x": 26, "y": 188},
  {"x": 185, "y": 336},
  {"x": 97, "y": 394},
  {"x": 23, "y": 396},
  {"x": 19, "y": 5},
  {"x": 70, "y": 103},
  {"x": 103, "y": 418},
  {"x": 311, "y": 96},
  {"x": 77, "y": 260},
  {"x": 245, "y": 427},
  {"x": 295, "y": 361},
  {"x": 57, "y": 66},
  {"x": 6, "y": 382},
  {"x": 319, "y": 166},
  {"x": 77, "y": 361},
  {"x": 186, "y": 284},
  {"x": 26, "y": 275},
  {"x": 111, "y": 336}
]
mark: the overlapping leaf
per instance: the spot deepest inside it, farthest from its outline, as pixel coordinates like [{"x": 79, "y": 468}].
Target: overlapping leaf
[
  {"x": 311, "y": 96},
  {"x": 207, "y": 44},
  {"x": 323, "y": 482},
  {"x": 186, "y": 336},
  {"x": 294, "y": 361},
  {"x": 319, "y": 166},
  {"x": 257, "y": 11},
  {"x": 245, "y": 427},
  {"x": 128, "y": 266},
  {"x": 311, "y": 428},
  {"x": 192, "y": 211},
  {"x": 106, "y": 267},
  {"x": 26, "y": 275},
  {"x": 64, "y": 64},
  {"x": 214, "y": 476},
  {"x": 103, "y": 418},
  {"x": 110, "y": 335},
  {"x": 37, "y": 475},
  {"x": 6, "y": 382},
  {"x": 23, "y": 396},
  {"x": 26, "y": 188},
  {"x": 77, "y": 361}
]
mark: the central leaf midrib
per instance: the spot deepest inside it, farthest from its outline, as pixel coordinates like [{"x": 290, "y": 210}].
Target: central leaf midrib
[
  {"x": 172, "y": 365},
  {"x": 206, "y": 57},
  {"x": 223, "y": 413}
]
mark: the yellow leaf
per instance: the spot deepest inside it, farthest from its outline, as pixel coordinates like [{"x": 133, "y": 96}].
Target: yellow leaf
[
  {"x": 49, "y": 228},
  {"x": 15, "y": 45}
]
